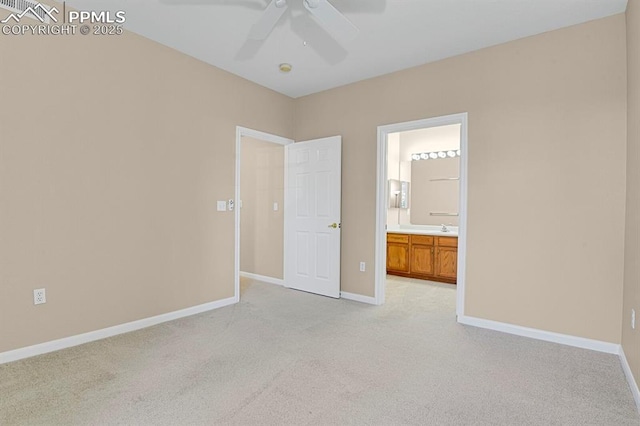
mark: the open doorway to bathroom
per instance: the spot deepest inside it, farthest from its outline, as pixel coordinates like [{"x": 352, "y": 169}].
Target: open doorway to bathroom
[{"x": 421, "y": 232}]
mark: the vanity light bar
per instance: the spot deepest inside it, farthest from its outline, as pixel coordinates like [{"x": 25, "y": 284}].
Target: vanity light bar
[{"x": 435, "y": 155}]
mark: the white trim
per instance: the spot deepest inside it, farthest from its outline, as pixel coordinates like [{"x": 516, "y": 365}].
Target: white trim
[
  {"x": 381, "y": 205},
  {"x": 286, "y": 217},
  {"x": 547, "y": 336},
  {"x": 380, "y": 267},
  {"x": 262, "y": 278},
  {"x": 629, "y": 375},
  {"x": 358, "y": 298},
  {"x": 267, "y": 137},
  {"x": 79, "y": 339}
]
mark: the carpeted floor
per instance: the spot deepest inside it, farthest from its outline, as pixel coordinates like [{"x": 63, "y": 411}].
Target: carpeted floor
[{"x": 285, "y": 357}]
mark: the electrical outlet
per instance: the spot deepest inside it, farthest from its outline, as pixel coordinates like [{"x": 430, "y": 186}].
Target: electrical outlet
[
  {"x": 633, "y": 319},
  {"x": 39, "y": 296},
  {"x": 363, "y": 266}
]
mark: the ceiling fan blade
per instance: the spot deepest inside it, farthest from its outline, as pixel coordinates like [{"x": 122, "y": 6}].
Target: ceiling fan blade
[
  {"x": 249, "y": 4},
  {"x": 318, "y": 40},
  {"x": 261, "y": 29},
  {"x": 360, "y": 6},
  {"x": 331, "y": 19}
]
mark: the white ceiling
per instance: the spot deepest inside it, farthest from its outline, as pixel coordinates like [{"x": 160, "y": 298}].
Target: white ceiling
[{"x": 394, "y": 35}]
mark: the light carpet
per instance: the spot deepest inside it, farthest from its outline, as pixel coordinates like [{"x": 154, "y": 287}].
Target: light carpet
[{"x": 286, "y": 357}]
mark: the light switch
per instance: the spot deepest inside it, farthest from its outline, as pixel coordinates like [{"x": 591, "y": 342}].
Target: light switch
[
  {"x": 222, "y": 206},
  {"x": 275, "y": 207}
]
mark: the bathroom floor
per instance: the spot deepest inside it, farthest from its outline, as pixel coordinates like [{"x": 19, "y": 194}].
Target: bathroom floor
[{"x": 421, "y": 295}]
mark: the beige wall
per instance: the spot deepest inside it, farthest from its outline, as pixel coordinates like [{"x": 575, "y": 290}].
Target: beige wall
[
  {"x": 113, "y": 152},
  {"x": 631, "y": 338},
  {"x": 547, "y": 143},
  {"x": 262, "y": 227}
]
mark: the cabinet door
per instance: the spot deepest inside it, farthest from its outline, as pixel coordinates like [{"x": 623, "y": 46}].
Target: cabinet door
[
  {"x": 398, "y": 257},
  {"x": 421, "y": 259},
  {"x": 447, "y": 262}
]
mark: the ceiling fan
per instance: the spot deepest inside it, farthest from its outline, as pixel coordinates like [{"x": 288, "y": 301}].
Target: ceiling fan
[{"x": 330, "y": 18}]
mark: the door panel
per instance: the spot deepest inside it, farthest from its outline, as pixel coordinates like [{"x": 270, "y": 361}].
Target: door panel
[
  {"x": 421, "y": 259},
  {"x": 398, "y": 257},
  {"x": 312, "y": 244},
  {"x": 447, "y": 264}
]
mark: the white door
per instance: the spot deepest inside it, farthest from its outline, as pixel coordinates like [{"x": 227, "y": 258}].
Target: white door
[{"x": 312, "y": 216}]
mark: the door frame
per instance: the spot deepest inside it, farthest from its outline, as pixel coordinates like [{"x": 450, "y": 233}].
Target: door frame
[
  {"x": 267, "y": 137},
  {"x": 381, "y": 201}
]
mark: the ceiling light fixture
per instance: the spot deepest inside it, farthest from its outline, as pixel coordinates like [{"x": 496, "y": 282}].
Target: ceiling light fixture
[{"x": 284, "y": 67}]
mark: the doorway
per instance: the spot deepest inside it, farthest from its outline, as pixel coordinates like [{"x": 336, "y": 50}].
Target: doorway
[
  {"x": 259, "y": 215},
  {"x": 291, "y": 233},
  {"x": 387, "y": 178}
]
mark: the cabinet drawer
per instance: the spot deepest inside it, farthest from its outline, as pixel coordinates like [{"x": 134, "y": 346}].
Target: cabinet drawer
[
  {"x": 422, "y": 239},
  {"x": 398, "y": 238},
  {"x": 448, "y": 241}
]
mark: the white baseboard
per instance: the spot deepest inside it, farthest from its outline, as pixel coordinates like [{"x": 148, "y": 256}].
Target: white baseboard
[
  {"x": 358, "y": 298},
  {"x": 91, "y": 336},
  {"x": 632, "y": 381},
  {"x": 548, "y": 336},
  {"x": 263, "y": 278}
]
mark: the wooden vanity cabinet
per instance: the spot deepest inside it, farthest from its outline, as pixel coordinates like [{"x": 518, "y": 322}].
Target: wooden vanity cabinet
[
  {"x": 398, "y": 254},
  {"x": 423, "y": 256},
  {"x": 447, "y": 258}
]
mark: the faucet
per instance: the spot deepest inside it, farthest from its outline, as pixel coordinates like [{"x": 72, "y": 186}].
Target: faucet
[{"x": 444, "y": 228}]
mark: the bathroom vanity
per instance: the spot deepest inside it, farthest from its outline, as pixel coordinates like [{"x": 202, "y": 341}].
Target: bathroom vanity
[{"x": 424, "y": 254}]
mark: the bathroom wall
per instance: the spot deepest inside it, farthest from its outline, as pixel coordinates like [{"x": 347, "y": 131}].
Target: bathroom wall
[{"x": 428, "y": 196}]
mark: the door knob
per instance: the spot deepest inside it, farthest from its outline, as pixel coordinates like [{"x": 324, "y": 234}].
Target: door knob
[{"x": 334, "y": 225}]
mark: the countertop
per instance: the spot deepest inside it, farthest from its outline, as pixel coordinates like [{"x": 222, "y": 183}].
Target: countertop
[{"x": 423, "y": 231}]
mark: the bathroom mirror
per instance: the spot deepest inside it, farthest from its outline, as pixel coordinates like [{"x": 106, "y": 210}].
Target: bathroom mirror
[{"x": 398, "y": 194}]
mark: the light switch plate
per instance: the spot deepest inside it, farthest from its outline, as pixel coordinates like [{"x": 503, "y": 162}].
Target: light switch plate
[
  {"x": 275, "y": 207},
  {"x": 222, "y": 206}
]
